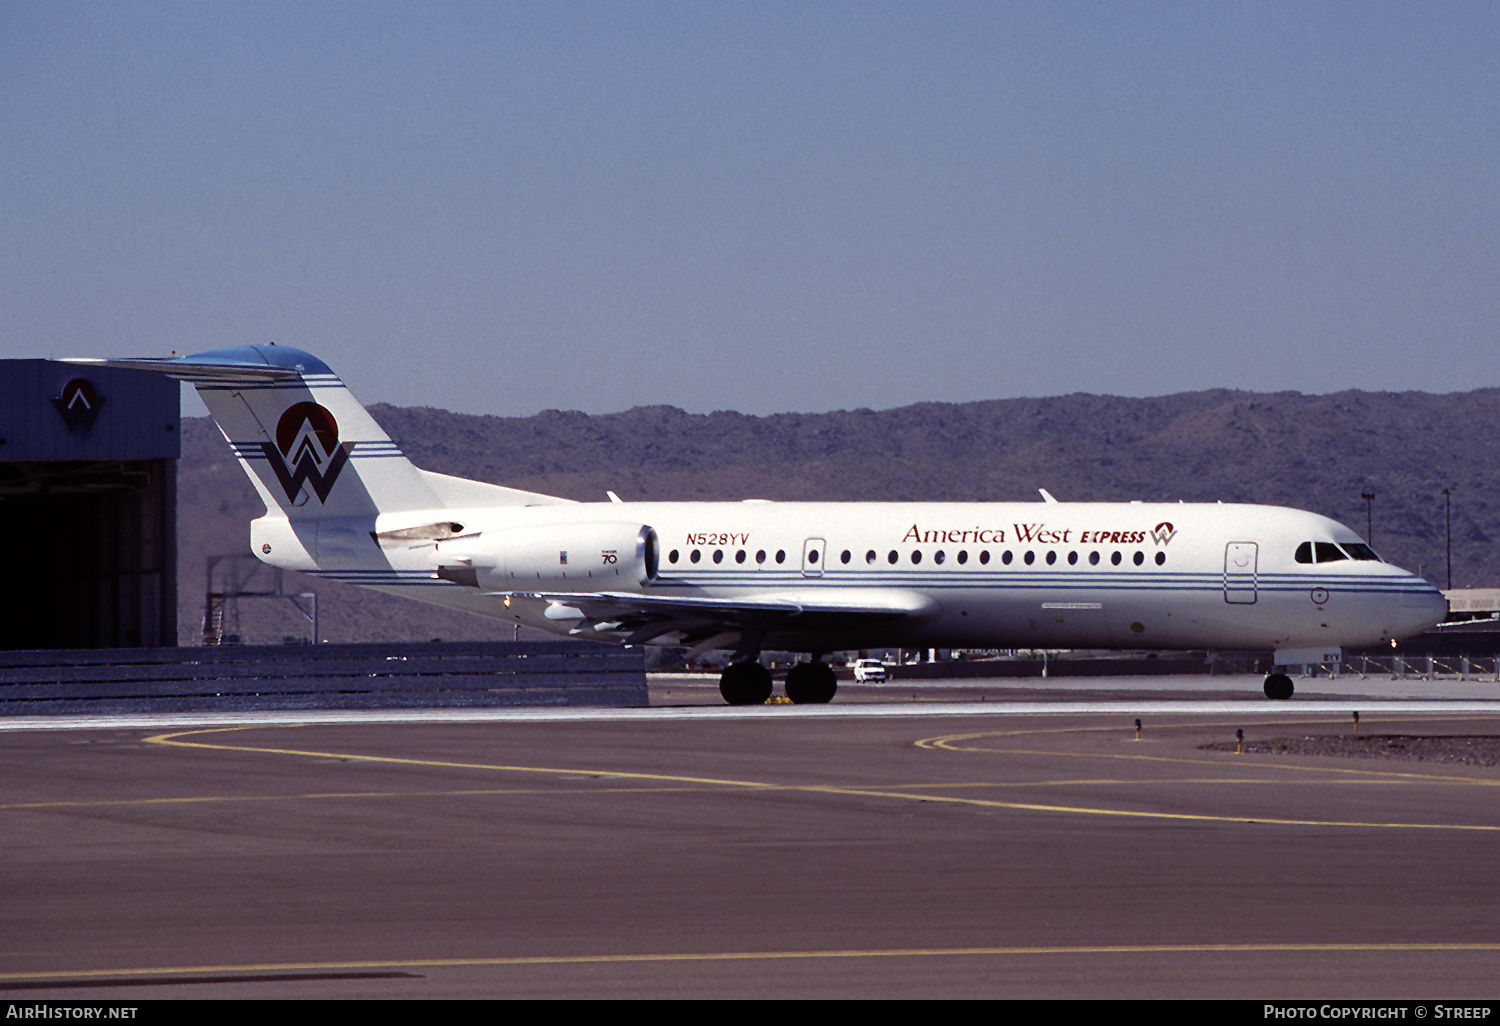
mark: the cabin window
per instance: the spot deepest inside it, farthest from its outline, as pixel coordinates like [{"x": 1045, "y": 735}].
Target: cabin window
[
  {"x": 781, "y": 555},
  {"x": 984, "y": 557},
  {"x": 938, "y": 557},
  {"x": 1114, "y": 557},
  {"x": 672, "y": 556},
  {"x": 718, "y": 555},
  {"x": 1051, "y": 556},
  {"x": 1005, "y": 557},
  {"x": 891, "y": 559},
  {"x": 1030, "y": 557},
  {"x": 1140, "y": 557},
  {"x": 916, "y": 556},
  {"x": 1072, "y": 559},
  {"x": 1093, "y": 559},
  {"x": 697, "y": 555},
  {"x": 845, "y": 556},
  {"x": 760, "y": 556},
  {"x": 963, "y": 556},
  {"x": 739, "y": 557},
  {"x": 1161, "y": 558}
]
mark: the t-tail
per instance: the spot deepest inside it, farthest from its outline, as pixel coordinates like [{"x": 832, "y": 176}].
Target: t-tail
[{"x": 329, "y": 475}]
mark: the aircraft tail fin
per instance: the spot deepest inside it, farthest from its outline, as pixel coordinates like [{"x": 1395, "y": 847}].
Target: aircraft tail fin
[{"x": 311, "y": 450}]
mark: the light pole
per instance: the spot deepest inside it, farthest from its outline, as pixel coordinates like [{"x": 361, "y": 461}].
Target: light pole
[
  {"x": 1369, "y": 498},
  {"x": 1448, "y": 531}
]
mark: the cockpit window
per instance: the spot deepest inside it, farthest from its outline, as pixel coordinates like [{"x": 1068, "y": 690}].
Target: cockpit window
[{"x": 1327, "y": 552}]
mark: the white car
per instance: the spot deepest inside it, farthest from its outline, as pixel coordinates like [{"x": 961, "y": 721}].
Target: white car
[{"x": 869, "y": 670}]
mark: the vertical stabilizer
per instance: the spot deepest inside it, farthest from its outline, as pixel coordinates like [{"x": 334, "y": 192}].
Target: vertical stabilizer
[{"x": 312, "y": 451}]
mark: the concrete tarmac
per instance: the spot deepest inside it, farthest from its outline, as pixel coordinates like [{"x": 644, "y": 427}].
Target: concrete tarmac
[{"x": 892, "y": 844}]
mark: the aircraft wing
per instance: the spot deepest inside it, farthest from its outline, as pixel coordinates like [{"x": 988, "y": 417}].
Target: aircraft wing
[{"x": 643, "y": 617}]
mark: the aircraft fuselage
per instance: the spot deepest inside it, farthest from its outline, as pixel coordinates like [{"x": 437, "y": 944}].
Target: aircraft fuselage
[
  {"x": 343, "y": 503},
  {"x": 990, "y": 575}
]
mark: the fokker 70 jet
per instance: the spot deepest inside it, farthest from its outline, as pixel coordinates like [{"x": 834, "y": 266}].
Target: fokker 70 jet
[{"x": 343, "y": 503}]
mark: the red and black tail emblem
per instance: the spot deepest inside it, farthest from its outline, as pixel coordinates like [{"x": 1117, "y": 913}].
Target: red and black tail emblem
[{"x": 307, "y": 451}]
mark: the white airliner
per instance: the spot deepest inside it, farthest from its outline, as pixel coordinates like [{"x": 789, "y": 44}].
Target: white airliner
[{"x": 343, "y": 503}]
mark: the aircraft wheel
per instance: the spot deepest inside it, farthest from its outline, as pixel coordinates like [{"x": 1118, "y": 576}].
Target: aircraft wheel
[
  {"x": 811, "y": 683},
  {"x": 745, "y": 684},
  {"x": 1278, "y": 686}
]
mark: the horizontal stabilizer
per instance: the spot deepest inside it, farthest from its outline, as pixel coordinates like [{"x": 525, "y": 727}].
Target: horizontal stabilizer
[{"x": 245, "y": 365}]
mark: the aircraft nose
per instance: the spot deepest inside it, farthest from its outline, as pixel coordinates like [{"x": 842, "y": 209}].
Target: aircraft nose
[{"x": 1422, "y": 608}]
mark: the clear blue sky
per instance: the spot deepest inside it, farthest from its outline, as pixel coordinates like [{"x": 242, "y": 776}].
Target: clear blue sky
[{"x": 501, "y": 208}]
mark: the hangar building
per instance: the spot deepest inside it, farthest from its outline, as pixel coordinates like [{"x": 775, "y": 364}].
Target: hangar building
[{"x": 88, "y": 506}]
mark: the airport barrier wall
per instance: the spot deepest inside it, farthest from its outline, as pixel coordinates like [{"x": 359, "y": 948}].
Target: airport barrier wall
[{"x": 389, "y": 676}]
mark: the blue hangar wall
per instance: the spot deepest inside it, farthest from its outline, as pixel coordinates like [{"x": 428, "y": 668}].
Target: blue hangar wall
[{"x": 88, "y": 506}]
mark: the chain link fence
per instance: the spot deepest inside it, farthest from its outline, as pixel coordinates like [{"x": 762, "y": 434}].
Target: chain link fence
[{"x": 1477, "y": 668}]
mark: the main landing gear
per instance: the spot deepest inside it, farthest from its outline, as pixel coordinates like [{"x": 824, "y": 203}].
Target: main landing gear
[
  {"x": 749, "y": 683},
  {"x": 1278, "y": 686},
  {"x": 745, "y": 684},
  {"x": 811, "y": 683}
]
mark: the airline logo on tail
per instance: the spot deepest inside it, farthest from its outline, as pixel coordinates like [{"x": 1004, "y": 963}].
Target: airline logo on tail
[{"x": 307, "y": 451}]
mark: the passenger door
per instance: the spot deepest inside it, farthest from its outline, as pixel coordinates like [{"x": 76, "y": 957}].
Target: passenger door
[{"x": 1239, "y": 572}]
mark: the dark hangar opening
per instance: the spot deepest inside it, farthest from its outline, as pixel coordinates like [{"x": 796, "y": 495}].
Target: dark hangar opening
[{"x": 88, "y": 507}]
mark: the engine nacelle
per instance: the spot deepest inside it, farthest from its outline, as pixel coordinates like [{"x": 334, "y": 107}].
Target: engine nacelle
[{"x": 560, "y": 557}]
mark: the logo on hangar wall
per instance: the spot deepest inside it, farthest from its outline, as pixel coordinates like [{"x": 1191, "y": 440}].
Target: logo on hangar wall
[
  {"x": 79, "y": 404},
  {"x": 307, "y": 451}
]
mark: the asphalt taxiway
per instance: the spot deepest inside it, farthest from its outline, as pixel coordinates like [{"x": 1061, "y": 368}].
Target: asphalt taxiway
[{"x": 892, "y": 844}]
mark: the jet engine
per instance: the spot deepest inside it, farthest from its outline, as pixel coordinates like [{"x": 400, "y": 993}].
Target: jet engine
[{"x": 562, "y": 557}]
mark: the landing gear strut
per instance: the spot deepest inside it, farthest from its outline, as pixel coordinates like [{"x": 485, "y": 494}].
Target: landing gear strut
[
  {"x": 811, "y": 683},
  {"x": 1278, "y": 686},
  {"x": 747, "y": 683}
]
